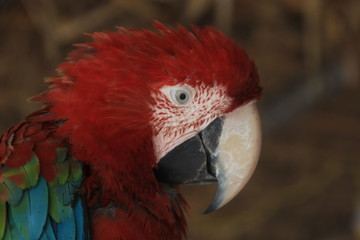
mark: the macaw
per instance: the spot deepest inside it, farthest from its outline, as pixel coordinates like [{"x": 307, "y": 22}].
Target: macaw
[{"x": 127, "y": 118}]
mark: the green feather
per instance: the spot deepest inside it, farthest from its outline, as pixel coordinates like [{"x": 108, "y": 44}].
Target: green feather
[
  {"x": 58, "y": 211},
  {"x": 20, "y": 215},
  {"x": 2, "y": 218},
  {"x": 32, "y": 169},
  {"x": 11, "y": 231},
  {"x": 7, "y": 234},
  {"x": 25, "y": 176},
  {"x": 62, "y": 167},
  {"x": 75, "y": 170},
  {"x": 62, "y": 173},
  {"x": 14, "y": 193},
  {"x": 22, "y": 192},
  {"x": 4, "y": 192},
  {"x": 61, "y": 155}
]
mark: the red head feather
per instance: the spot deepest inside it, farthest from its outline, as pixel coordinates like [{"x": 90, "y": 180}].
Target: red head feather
[{"x": 104, "y": 93}]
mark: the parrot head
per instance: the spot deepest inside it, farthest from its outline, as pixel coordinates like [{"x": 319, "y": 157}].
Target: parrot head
[{"x": 174, "y": 107}]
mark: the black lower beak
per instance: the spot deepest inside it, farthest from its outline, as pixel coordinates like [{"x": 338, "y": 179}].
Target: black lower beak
[{"x": 192, "y": 161}]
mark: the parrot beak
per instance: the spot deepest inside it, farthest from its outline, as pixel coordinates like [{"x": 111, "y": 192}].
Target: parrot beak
[{"x": 226, "y": 152}]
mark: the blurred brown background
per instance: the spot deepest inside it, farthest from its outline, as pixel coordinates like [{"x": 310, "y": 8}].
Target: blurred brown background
[{"x": 307, "y": 184}]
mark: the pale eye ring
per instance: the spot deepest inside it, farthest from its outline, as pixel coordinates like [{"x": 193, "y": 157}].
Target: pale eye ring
[{"x": 182, "y": 95}]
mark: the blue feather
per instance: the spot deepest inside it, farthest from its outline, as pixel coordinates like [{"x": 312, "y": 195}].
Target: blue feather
[
  {"x": 48, "y": 233},
  {"x": 81, "y": 232},
  {"x": 66, "y": 229},
  {"x": 54, "y": 226},
  {"x": 39, "y": 207},
  {"x": 30, "y": 214},
  {"x": 44, "y": 211}
]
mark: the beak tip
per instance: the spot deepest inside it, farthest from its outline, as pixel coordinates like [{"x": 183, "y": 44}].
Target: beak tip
[
  {"x": 217, "y": 202},
  {"x": 210, "y": 209}
]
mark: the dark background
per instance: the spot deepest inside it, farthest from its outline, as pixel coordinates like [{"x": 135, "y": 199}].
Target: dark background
[{"x": 307, "y": 184}]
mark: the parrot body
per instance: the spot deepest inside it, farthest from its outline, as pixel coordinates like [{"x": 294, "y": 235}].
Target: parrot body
[{"x": 83, "y": 166}]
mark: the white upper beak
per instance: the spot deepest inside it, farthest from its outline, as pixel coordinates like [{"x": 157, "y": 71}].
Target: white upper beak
[{"x": 238, "y": 153}]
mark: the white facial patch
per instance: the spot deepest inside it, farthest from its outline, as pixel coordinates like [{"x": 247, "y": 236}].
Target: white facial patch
[{"x": 181, "y": 111}]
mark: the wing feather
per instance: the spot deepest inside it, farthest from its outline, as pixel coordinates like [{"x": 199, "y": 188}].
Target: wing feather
[
  {"x": 2, "y": 218},
  {"x": 39, "y": 199},
  {"x": 48, "y": 233},
  {"x": 66, "y": 229},
  {"x": 25, "y": 176},
  {"x": 30, "y": 214},
  {"x": 81, "y": 232},
  {"x": 10, "y": 192}
]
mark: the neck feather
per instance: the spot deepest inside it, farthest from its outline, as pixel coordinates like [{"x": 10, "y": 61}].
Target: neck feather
[{"x": 124, "y": 195}]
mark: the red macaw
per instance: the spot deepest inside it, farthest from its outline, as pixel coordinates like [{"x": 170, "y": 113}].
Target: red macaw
[{"x": 128, "y": 117}]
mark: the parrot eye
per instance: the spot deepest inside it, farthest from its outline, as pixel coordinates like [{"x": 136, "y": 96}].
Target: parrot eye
[{"x": 182, "y": 95}]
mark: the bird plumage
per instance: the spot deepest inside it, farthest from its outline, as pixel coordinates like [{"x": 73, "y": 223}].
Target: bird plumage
[
  {"x": 39, "y": 182},
  {"x": 83, "y": 165}
]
